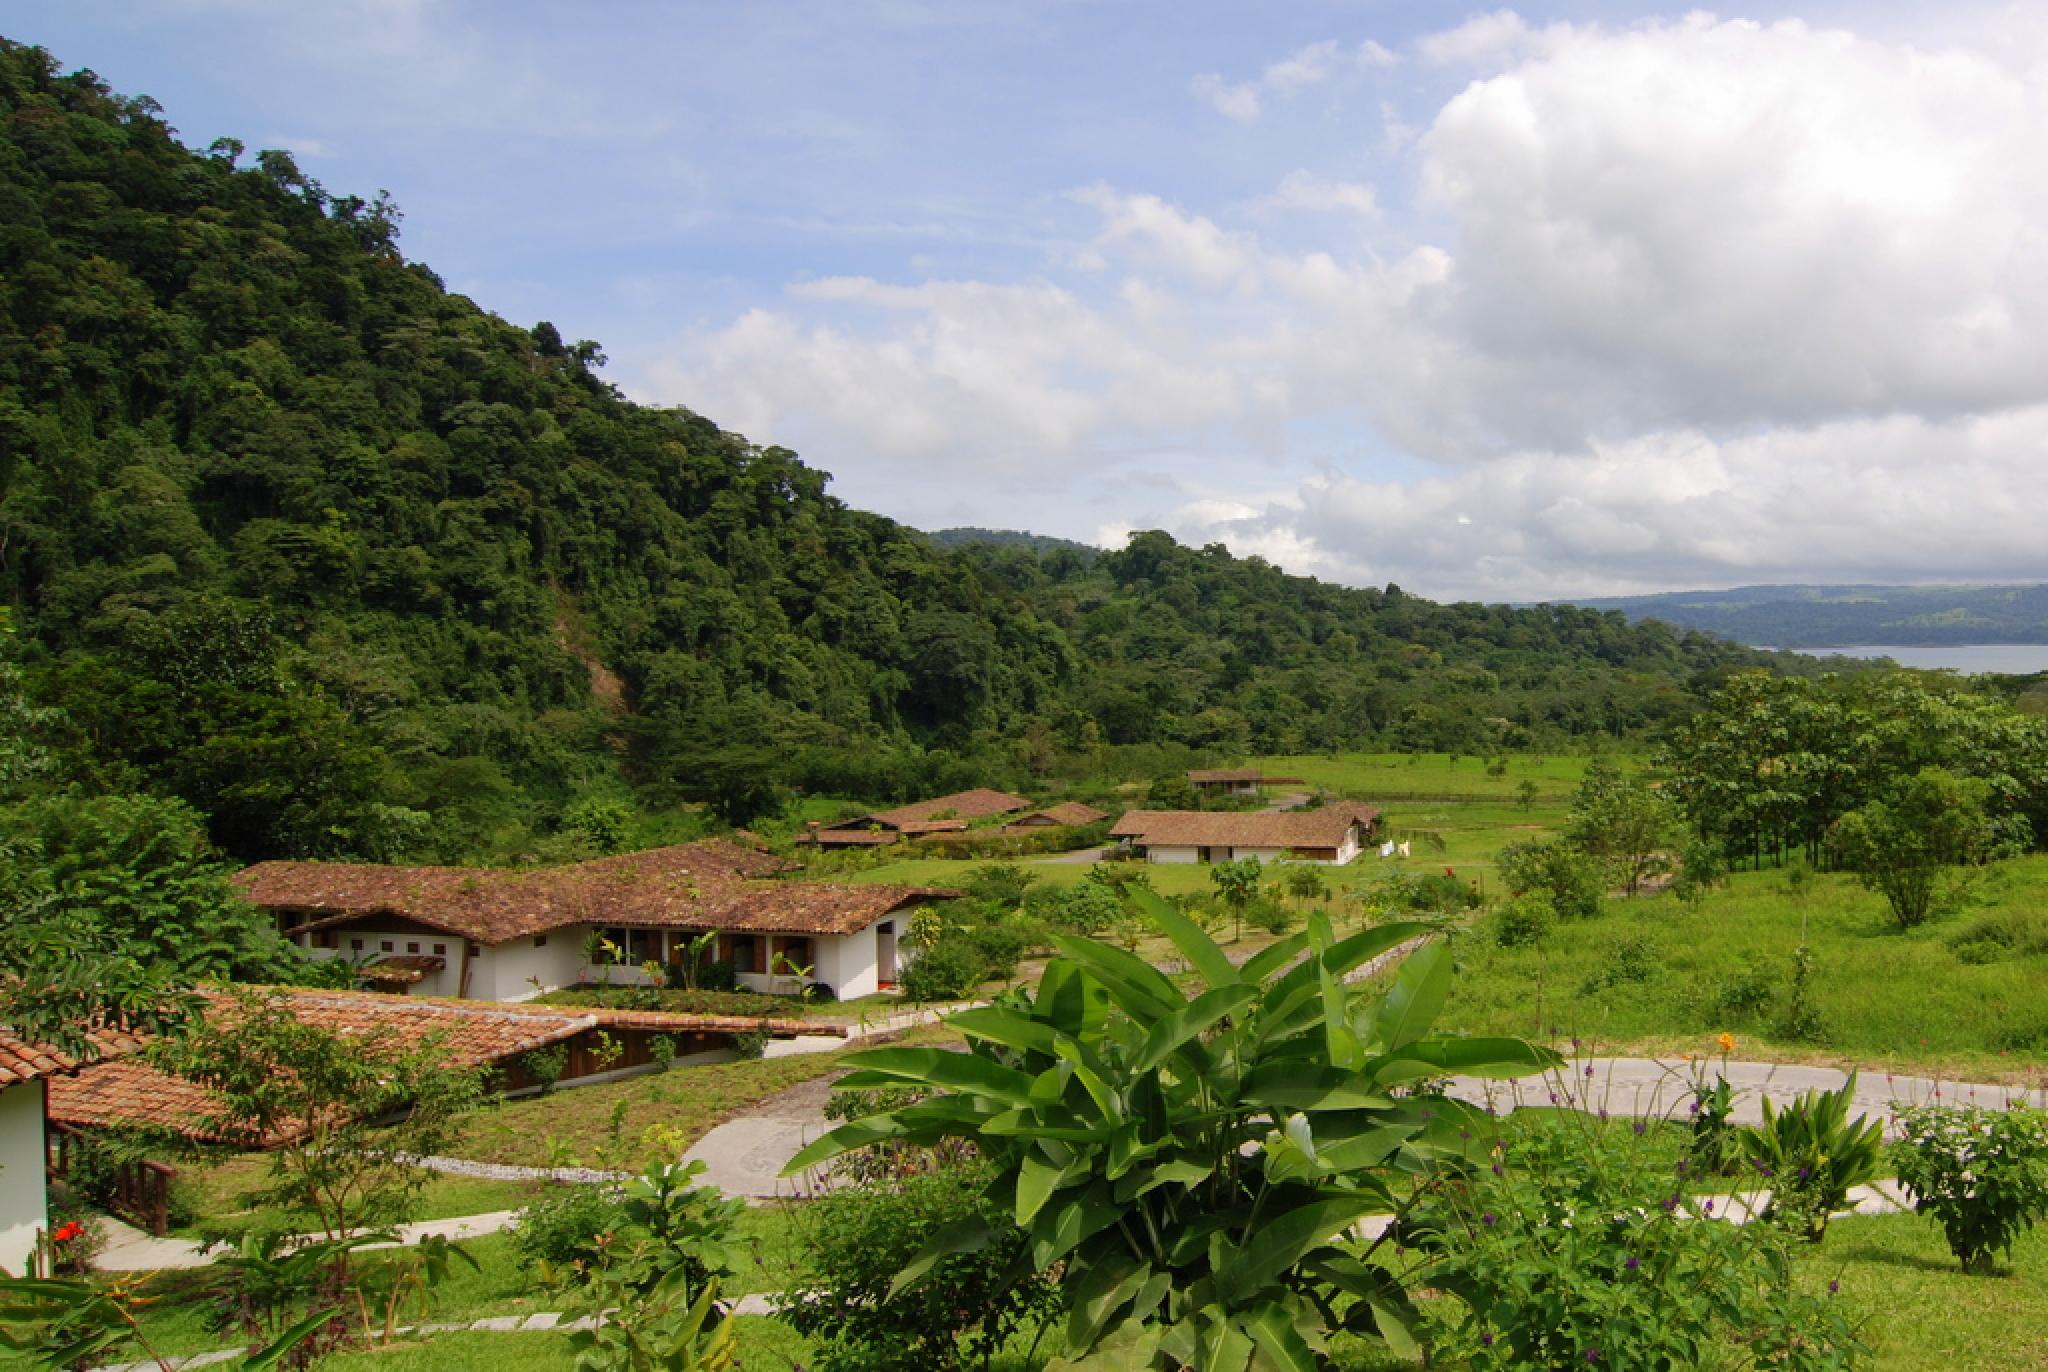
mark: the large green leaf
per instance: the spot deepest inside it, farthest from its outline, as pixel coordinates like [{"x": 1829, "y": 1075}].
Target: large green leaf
[
  {"x": 1279, "y": 1345},
  {"x": 1412, "y": 1002},
  {"x": 1038, "y": 1177},
  {"x": 1140, "y": 990},
  {"x": 1291, "y": 1001},
  {"x": 1070, "y": 1000},
  {"x": 1071, "y": 1220},
  {"x": 1273, "y": 957},
  {"x": 1101, "y": 1290},
  {"x": 1303, "y": 1086},
  {"x": 936, "y": 1067},
  {"x": 969, "y": 1234},
  {"x": 1194, "y": 1018},
  {"x": 1484, "y": 1057},
  {"x": 1201, "y": 951},
  {"x": 1284, "y": 1239},
  {"x": 1006, "y": 1027}
]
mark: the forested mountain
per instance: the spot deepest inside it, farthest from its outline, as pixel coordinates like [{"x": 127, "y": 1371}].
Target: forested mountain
[
  {"x": 355, "y": 567},
  {"x": 1850, "y": 616},
  {"x": 1008, "y": 538}
]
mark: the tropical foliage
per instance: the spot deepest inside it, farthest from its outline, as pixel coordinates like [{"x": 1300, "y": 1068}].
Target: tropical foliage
[{"x": 1193, "y": 1163}]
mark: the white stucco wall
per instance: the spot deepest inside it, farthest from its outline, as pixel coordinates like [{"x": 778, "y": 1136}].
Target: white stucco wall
[
  {"x": 22, "y": 1197},
  {"x": 508, "y": 971}
]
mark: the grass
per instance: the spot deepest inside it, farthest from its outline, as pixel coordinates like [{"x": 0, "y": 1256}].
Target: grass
[
  {"x": 1888, "y": 999},
  {"x": 1916, "y": 1307},
  {"x": 1408, "y": 776},
  {"x": 216, "y": 1192},
  {"x": 607, "y": 1125}
]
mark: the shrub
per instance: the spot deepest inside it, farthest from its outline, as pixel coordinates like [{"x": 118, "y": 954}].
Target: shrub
[
  {"x": 1802, "y": 1022},
  {"x": 2000, "y": 935},
  {"x": 948, "y": 970},
  {"x": 1746, "y": 995},
  {"x": 1572, "y": 1251},
  {"x": 1567, "y": 874},
  {"x": 1001, "y": 946},
  {"x": 1715, "y": 1147},
  {"x": 1811, "y": 1153},
  {"x": 1524, "y": 922},
  {"x": 1632, "y": 959},
  {"x": 1270, "y": 915},
  {"x": 721, "y": 975},
  {"x": 546, "y": 1065},
  {"x": 562, "y": 1225},
  {"x": 1981, "y": 1174},
  {"x": 1086, "y": 907},
  {"x": 661, "y": 1051},
  {"x": 1002, "y": 883},
  {"x": 749, "y": 1044},
  {"x": 853, "y": 1243}
]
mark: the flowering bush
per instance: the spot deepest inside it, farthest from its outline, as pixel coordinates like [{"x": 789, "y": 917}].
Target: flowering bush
[
  {"x": 1983, "y": 1174},
  {"x": 1572, "y": 1250}
]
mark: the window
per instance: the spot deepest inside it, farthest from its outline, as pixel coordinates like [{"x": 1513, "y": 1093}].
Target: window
[
  {"x": 385, "y": 946},
  {"x": 356, "y": 944},
  {"x": 540, "y": 940},
  {"x": 412, "y": 947},
  {"x": 608, "y": 947},
  {"x": 643, "y": 945},
  {"x": 323, "y": 939},
  {"x": 795, "y": 956},
  {"x": 440, "y": 950},
  {"x": 746, "y": 953}
]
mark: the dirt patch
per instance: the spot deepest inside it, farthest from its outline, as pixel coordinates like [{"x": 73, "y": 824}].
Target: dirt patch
[{"x": 605, "y": 684}]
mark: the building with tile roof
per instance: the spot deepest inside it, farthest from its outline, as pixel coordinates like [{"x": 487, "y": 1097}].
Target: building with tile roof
[
  {"x": 940, "y": 815},
  {"x": 471, "y": 1034},
  {"x": 480, "y": 934},
  {"x": 1241, "y": 782},
  {"x": 1071, "y": 814},
  {"x": 1330, "y": 834},
  {"x": 27, "y": 1070}
]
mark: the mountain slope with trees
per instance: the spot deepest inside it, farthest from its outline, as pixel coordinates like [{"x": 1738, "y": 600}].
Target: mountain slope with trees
[
  {"x": 352, "y": 566},
  {"x": 1850, "y": 616}
]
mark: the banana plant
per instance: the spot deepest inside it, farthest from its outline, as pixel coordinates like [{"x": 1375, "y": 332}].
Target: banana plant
[{"x": 1194, "y": 1161}]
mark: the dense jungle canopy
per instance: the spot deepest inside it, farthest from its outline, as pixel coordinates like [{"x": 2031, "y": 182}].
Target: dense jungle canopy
[{"x": 295, "y": 535}]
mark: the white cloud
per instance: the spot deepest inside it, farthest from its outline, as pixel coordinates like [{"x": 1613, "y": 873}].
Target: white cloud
[
  {"x": 1307, "y": 66},
  {"x": 1305, "y": 192},
  {"x": 1372, "y": 55},
  {"x": 1238, "y": 101},
  {"x": 1710, "y": 302}
]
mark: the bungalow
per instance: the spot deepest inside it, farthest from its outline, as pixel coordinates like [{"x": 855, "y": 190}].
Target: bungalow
[
  {"x": 475, "y": 934},
  {"x": 1069, "y": 814},
  {"x": 1241, "y": 783},
  {"x": 26, "y": 1073},
  {"x": 944, "y": 814},
  {"x": 596, "y": 1044},
  {"x": 1333, "y": 834}
]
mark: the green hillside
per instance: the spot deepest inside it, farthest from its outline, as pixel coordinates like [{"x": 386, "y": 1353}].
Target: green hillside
[{"x": 357, "y": 567}]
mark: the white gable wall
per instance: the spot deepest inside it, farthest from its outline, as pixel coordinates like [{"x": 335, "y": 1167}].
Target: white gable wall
[{"x": 24, "y": 1202}]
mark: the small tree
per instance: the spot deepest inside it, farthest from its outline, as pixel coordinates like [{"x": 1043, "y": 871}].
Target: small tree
[
  {"x": 319, "y": 1097},
  {"x": 1172, "y": 792},
  {"x": 1306, "y": 884},
  {"x": 1910, "y": 845},
  {"x": 1237, "y": 882},
  {"x": 1563, "y": 871},
  {"x": 1624, "y": 822}
]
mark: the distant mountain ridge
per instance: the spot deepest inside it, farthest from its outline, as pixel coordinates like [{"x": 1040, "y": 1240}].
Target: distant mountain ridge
[{"x": 1849, "y": 616}]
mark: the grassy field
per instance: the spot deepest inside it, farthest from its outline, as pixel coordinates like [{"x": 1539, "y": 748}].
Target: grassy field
[
  {"x": 1405, "y": 776},
  {"x": 606, "y": 1125},
  {"x": 217, "y": 1192},
  {"x": 1653, "y": 975}
]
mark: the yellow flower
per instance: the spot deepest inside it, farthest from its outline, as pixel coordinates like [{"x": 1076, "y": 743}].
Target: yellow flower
[{"x": 1727, "y": 1042}]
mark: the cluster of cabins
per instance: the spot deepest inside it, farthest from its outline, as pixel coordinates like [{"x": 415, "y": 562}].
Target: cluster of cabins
[
  {"x": 465, "y": 949},
  {"x": 960, "y": 817}
]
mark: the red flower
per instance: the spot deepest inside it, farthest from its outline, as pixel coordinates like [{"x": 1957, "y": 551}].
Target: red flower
[{"x": 69, "y": 1232}]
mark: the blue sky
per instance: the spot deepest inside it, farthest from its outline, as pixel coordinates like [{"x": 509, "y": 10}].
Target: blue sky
[{"x": 1502, "y": 303}]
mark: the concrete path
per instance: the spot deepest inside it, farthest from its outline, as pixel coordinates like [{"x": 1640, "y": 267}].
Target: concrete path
[
  {"x": 130, "y": 1250},
  {"x": 745, "y": 1156}
]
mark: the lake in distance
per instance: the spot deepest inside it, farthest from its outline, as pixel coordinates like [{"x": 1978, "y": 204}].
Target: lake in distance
[{"x": 2016, "y": 658}]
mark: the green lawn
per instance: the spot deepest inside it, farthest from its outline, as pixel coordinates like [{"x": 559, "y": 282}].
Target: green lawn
[
  {"x": 1367, "y": 776},
  {"x": 216, "y": 1192},
  {"x": 1889, "y": 999},
  {"x": 606, "y": 1125}
]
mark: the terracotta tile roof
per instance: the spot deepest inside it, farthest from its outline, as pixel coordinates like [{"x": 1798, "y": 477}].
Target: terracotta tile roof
[
  {"x": 22, "y": 1061},
  {"x": 932, "y": 826},
  {"x": 1323, "y": 828},
  {"x": 980, "y": 803},
  {"x": 690, "y": 886},
  {"x": 472, "y": 1033},
  {"x": 1071, "y": 812},
  {"x": 854, "y": 838}
]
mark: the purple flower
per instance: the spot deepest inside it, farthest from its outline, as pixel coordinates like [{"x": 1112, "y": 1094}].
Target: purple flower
[
  {"x": 1834, "y": 1287},
  {"x": 1553, "y": 1097},
  {"x": 1486, "y": 1218},
  {"x": 1592, "y": 1355},
  {"x": 1632, "y": 1264},
  {"x": 1486, "y": 1340},
  {"x": 1710, "y": 1207},
  {"x": 1497, "y": 1170},
  {"x": 1693, "y": 1109},
  {"x": 1589, "y": 1069},
  {"x": 1805, "y": 1172}
]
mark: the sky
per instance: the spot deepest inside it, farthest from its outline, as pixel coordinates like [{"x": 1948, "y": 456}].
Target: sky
[{"x": 1564, "y": 300}]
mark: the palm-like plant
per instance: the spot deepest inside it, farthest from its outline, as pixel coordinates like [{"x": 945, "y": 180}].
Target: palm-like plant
[
  {"x": 1813, "y": 1153},
  {"x": 1195, "y": 1164}
]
